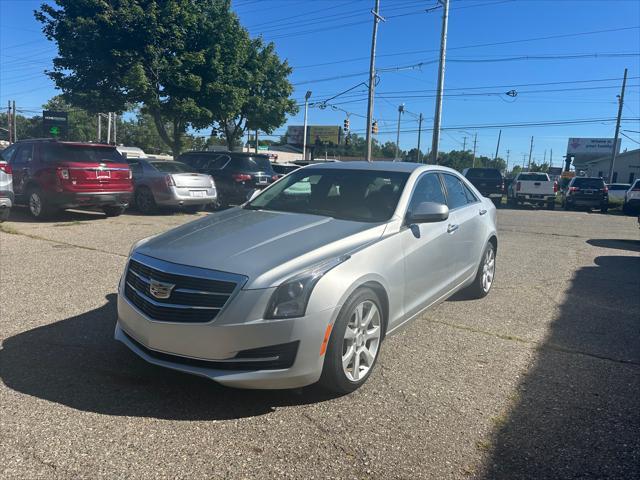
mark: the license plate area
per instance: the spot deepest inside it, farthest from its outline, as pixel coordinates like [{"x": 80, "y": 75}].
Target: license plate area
[
  {"x": 198, "y": 193},
  {"x": 103, "y": 174}
]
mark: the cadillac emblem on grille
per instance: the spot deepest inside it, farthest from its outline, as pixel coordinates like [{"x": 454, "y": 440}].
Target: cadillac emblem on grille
[{"x": 160, "y": 290}]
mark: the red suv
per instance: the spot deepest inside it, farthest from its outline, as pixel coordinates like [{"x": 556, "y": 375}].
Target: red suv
[{"x": 49, "y": 175}]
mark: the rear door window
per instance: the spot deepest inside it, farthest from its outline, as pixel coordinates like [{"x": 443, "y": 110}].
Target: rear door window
[
  {"x": 456, "y": 192},
  {"x": 23, "y": 155},
  {"x": 7, "y": 153}
]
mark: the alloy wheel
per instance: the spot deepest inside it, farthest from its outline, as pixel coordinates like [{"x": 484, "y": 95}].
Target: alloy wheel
[
  {"x": 35, "y": 204},
  {"x": 361, "y": 340},
  {"x": 488, "y": 269}
]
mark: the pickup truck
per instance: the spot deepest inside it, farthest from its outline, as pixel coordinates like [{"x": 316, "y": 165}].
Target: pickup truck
[
  {"x": 488, "y": 181},
  {"x": 534, "y": 188}
]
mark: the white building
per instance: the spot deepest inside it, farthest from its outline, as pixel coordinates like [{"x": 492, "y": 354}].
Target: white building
[{"x": 626, "y": 168}]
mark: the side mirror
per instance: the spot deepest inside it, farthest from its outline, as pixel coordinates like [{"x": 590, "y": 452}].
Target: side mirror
[
  {"x": 252, "y": 194},
  {"x": 428, "y": 212}
]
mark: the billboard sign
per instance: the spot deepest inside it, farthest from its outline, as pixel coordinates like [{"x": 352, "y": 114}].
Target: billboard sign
[
  {"x": 54, "y": 123},
  {"x": 316, "y": 134},
  {"x": 595, "y": 147}
]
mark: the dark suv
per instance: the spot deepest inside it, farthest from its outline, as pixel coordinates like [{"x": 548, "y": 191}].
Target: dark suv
[
  {"x": 488, "y": 181},
  {"x": 236, "y": 174},
  {"x": 49, "y": 175},
  {"x": 590, "y": 192}
]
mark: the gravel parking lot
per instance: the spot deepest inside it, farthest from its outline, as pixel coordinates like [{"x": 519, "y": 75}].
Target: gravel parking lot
[{"x": 539, "y": 380}]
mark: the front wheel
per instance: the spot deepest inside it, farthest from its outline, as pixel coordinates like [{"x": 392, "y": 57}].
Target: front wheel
[
  {"x": 551, "y": 205},
  {"x": 113, "y": 211},
  {"x": 354, "y": 343},
  {"x": 486, "y": 273}
]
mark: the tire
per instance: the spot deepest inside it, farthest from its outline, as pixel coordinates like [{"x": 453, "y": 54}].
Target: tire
[
  {"x": 113, "y": 211},
  {"x": 480, "y": 289},
  {"x": 343, "y": 380},
  {"x": 145, "y": 202},
  {"x": 604, "y": 208},
  {"x": 194, "y": 208},
  {"x": 497, "y": 202},
  {"x": 511, "y": 202},
  {"x": 551, "y": 205},
  {"x": 38, "y": 207},
  {"x": 4, "y": 214},
  {"x": 567, "y": 207}
]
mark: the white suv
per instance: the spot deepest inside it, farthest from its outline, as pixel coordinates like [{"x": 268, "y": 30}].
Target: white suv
[{"x": 632, "y": 198}]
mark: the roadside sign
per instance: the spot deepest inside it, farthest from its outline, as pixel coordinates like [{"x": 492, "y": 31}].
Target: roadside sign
[
  {"x": 263, "y": 147},
  {"x": 54, "y": 123},
  {"x": 568, "y": 174}
]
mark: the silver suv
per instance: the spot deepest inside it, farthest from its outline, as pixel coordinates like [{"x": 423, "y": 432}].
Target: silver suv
[{"x": 304, "y": 282}]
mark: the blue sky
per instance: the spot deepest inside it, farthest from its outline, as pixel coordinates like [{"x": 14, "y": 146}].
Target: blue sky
[{"x": 484, "y": 38}]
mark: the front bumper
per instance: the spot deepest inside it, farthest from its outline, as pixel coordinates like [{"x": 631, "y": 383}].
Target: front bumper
[
  {"x": 212, "y": 349},
  {"x": 90, "y": 199}
]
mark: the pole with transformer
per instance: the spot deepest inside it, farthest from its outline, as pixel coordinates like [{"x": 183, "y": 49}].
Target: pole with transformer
[
  {"x": 617, "y": 134},
  {"x": 304, "y": 130},
  {"x": 99, "y": 127},
  {"x": 400, "y": 111},
  {"x": 419, "y": 132},
  {"x": 372, "y": 76},
  {"x": 475, "y": 142},
  {"x": 438, "y": 113},
  {"x": 109, "y": 127}
]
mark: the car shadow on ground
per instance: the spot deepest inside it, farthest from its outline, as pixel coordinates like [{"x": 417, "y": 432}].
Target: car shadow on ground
[
  {"x": 575, "y": 413},
  {"x": 76, "y": 362},
  {"x": 21, "y": 215},
  {"x": 620, "y": 244}
]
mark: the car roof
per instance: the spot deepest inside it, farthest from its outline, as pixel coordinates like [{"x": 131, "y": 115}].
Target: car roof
[{"x": 407, "y": 167}]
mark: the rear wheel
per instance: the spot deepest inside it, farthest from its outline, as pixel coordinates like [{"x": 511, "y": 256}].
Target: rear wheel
[
  {"x": 354, "y": 344},
  {"x": 145, "y": 202},
  {"x": 194, "y": 208},
  {"x": 39, "y": 208},
  {"x": 113, "y": 211},
  {"x": 551, "y": 205},
  {"x": 604, "y": 208},
  {"x": 484, "y": 277},
  {"x": 567, "y": 207}
]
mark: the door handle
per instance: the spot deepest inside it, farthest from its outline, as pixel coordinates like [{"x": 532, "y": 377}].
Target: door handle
[
  {"x": 483, "y": 211},
  {"x": 452, "y": 228}
]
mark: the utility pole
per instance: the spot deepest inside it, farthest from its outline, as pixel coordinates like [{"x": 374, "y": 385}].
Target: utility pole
[
  {"x": 400, "y": 111},
  {"x": 544, "y": 158},
  {"x": 99, "y": 127},
  {"x": 508, "y": 153},
  {"x": 304, "y": 133},
  {"x": 495, "y": 158},
  {"x": 615, "y": 137},
  {"x": 257, "y": 140},
  {"x": 530, "y": 152},
  {"x": 419, "y": 132},
  {"x": 9, "y": 126},
  {"x": 551, "y": 158},
  {"x": 524, "y": 158},
  {"x": 438, "y": 113},
  {"x": 464, "y": 144},
  {"x": 372, "y": 76},
  {"x": 475, "y": 142},
  {"x": 15, "y": 123}
]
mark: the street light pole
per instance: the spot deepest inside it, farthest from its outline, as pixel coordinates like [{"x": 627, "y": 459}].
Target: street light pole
[
  {"x": 372, "y": 77},
  {"x": 304, "y": 133},
  {"x": 438, "y": 114},
  {"x": 400, "y": 110}
]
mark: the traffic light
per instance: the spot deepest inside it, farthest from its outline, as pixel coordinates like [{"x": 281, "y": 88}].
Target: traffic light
[
  {"x": 346, "y": 124},
  {"x": 374, "y": 128}
]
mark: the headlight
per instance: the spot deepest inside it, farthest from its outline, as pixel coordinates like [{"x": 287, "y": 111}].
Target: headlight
[
  {"x": 139, "y": 243},
  {"x": 291, "y": 298}
]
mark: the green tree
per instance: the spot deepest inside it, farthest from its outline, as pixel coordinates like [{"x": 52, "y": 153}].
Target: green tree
[{"x": 180, "y": 60}]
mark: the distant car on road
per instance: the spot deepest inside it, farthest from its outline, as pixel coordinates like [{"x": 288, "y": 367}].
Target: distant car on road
[
  {"x": 632, "y": 198},
  {"x": 236, "y": 174},
  {"x": 289, "y": 290},
  {"x": 6, "y": 188},
  {"x": 535, "y": 188},
  {"x": 617, "y": 192},
  {"x": 589, "y": 192},
  {"x": 488, "y": 181},
  {"x": 49, "y": 175},
  {"x": 165, "y": 183}
]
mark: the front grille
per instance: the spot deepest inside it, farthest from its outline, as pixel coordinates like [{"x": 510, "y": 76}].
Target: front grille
[
  {"x": 195, "y": 298},
  {"x": 273, "y": 357}
]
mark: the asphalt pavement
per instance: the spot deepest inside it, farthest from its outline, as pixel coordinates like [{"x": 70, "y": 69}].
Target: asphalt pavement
[{"x": 541, "y": 379}]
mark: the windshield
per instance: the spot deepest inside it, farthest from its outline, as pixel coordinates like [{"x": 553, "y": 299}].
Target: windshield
[
  {"x": 357, "y": 195},
  {"x": 483, "y": 173},
  {"x": 172, "y": 167},
  {"x": 251, "y": 164},
  {"x": 60, "y": 152},
  {"x": 533, "y": 177}
]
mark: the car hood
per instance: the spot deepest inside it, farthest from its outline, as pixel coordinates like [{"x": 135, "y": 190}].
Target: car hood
[{"x": 266, "y": 246}]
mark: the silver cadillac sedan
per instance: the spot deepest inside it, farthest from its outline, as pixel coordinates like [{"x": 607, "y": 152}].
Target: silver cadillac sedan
[{"x": 303, "y": 283}]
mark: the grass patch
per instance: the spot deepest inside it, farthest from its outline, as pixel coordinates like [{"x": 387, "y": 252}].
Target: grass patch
[
  {"x": 68, "y": 224},
  {"x": 499, "y": 421},
  {"x": 483, "y": 445},
  {"x": 8, "y": 229}
]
